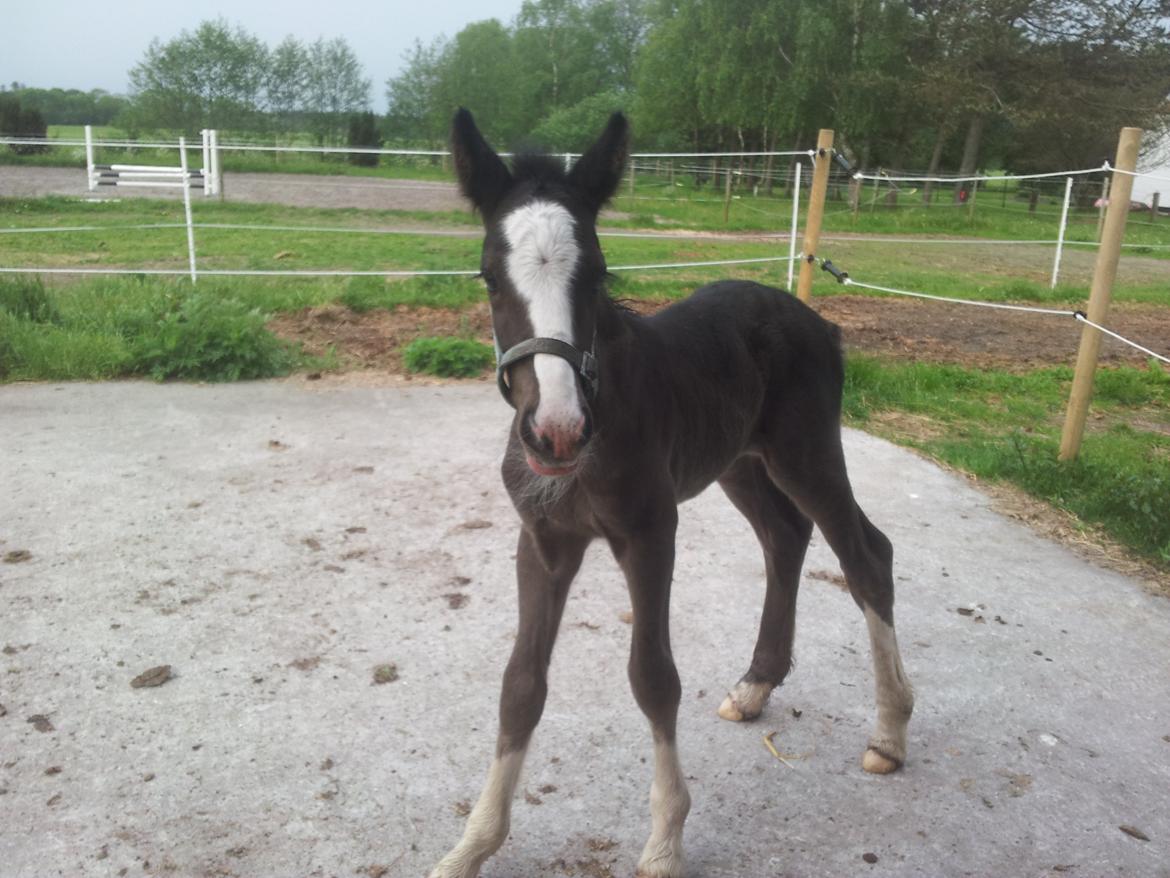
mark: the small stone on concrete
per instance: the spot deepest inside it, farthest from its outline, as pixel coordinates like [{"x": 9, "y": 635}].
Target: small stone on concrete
[
  {"x": 152, "y": 677},
  {"x": 387, "y": 673}
]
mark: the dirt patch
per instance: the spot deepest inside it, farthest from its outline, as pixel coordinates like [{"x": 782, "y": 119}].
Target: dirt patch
[
  {"x": 939, "y": 333},
  {"x": 375, "y": 339},
  {"x": 907, "y": 330}
]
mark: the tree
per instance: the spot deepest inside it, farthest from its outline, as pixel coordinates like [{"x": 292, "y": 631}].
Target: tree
[
  {"x": 574, "y": 128},
  {"x": 71, "y": 106},
  {"x": 213, "y": 77},
  {"x": 482, "y": 69},
  {"x": 412, "y": 95},
  {"x": 666, "y": 79},
  {"x": 363, "y": 132},
  {"x": 220, "y": 77},
  {"x": 335, "y": 88},
  {"x": 1112, "y": 62},
  {"x": 554, "y": 55},
  {"x": 20, "y": 121},
  {"x": 287, "y": 84}
]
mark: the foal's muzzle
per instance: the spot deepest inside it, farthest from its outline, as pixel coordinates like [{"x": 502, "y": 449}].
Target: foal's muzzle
[{"x": 584, "y": 363}]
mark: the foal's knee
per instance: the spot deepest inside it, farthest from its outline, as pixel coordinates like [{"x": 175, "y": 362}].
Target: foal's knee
[
  {"x": 521, "y": 703},
  {"x": 655, "y": 683}
]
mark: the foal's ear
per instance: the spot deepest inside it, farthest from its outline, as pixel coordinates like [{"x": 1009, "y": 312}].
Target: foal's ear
[
  {"x": 599, "y": 171},
  {"x": 483, "y": 176}
]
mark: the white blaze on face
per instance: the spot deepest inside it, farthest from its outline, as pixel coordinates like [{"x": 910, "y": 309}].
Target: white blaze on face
[{"x": 541, "y": 259}]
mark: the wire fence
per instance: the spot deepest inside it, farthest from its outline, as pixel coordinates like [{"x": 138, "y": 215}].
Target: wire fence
[
  {"x": 1080, "y": 316},
  {"x": 737, "y": 170}
]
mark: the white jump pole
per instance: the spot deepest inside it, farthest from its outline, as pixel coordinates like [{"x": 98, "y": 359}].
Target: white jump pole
[
  {"x": 187, "y": 205},
  {"x": 216, "y": 172},
  {"x": 1063, "y": 226},
  {"x": 795, "y": 223},
  {"x": 208, "y": 185},
  {"x": 89, "y": 158}
]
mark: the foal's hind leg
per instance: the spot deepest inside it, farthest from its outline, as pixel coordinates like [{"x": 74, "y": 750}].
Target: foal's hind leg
[
  {"x": 821, "y": 488},
  {"x": 783, "y": 532}
]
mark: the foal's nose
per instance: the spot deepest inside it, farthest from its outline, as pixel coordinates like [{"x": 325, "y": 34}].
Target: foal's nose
[{"x": 558, "y": 439}]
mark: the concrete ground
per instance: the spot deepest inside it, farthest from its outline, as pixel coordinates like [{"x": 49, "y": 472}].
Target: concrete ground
[{"x": 274, "y": 543}]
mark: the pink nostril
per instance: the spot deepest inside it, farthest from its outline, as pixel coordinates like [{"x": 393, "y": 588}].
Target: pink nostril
[{"x": 562, "y": 440}]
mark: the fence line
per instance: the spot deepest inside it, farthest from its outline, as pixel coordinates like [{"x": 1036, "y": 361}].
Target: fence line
[
  {"x": 979, "y": 177},
  {"x": 661, "y": 236},
  {"x": 844, "y": 279},
  {"x": 247, "y": 272},
  {"x": 1083, "y": 319},
  {"x": 366, "y": 150},
  {"x": 1142, "y": 174},
  {"x": 1003, "y": 306}
]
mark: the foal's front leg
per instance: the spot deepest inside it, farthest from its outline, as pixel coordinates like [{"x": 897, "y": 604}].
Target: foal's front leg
[
  {"x": 647, "y": 559},
  {"x": 546, "y": 562}
]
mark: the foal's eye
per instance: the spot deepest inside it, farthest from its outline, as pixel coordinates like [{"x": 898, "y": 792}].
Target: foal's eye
[{"x": 489, "y": 281}]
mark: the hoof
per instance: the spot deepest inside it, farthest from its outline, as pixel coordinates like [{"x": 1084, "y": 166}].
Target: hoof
[
  {"x": 746, "y": 701},
  {"x": 729, "y": 712},
  {"x": 878, "y": 763}
]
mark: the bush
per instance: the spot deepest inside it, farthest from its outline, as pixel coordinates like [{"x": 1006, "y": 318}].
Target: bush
[
  {"x": 49, "y": 352},
  {"x": 18, "y": 121},
  {"x": 363, "y": 132},
  {"x": 27, "y": 299},
  {"x": 209, "y": 338},
  {"x": 448, "y": 357}
]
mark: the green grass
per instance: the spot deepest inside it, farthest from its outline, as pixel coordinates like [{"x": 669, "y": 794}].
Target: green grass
[
  {"x": 120, "y": 327},
  {"x": 1006, "y": 427},
  {"x": 448, "y": 357}
]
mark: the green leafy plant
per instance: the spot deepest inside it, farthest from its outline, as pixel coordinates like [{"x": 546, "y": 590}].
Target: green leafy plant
[
  {"x": 206, "y": 337},
  {"x": 447, "y": 357},
  {"x": 27, "y": 299}
]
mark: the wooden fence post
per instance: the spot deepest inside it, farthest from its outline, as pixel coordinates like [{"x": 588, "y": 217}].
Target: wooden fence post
[
  {"x": 1104, "y": 272},
  {"x": 1154, "y": 206},
  {"x": 816, "y": 211}
]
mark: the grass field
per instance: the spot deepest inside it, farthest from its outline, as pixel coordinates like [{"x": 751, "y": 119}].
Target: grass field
[{"x": 996, "y": 424}]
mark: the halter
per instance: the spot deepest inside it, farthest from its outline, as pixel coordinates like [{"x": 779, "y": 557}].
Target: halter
[{"x": 584, "y": 363}]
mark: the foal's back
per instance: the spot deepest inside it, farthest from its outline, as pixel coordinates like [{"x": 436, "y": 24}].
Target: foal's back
[{"x": 736, "y": 365}]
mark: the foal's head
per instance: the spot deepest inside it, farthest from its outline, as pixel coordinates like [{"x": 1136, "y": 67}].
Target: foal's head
[{"x": 544, "y": 271}]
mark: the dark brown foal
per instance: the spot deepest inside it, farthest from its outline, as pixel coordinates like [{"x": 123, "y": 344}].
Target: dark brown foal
[{"x": 618, "y": 420}]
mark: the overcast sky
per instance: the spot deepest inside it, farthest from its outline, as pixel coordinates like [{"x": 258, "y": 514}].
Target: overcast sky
[{"x": 71, "y": 44}]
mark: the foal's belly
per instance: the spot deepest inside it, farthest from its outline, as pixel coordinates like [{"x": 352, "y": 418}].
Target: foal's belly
[{"x": 706, "y": 446}]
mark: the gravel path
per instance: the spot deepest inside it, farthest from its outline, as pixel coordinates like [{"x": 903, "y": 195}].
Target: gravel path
[
  {"x": 275, "y": 543},
  {"x": 296, "y": 190}
]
